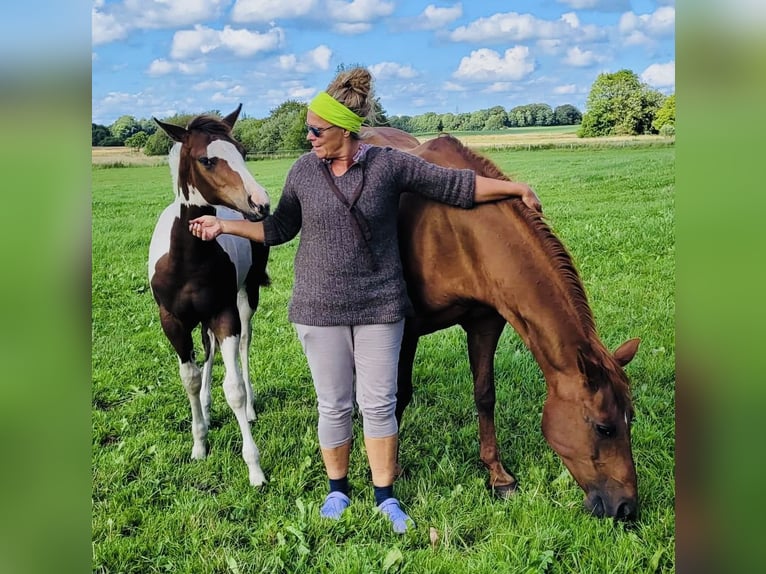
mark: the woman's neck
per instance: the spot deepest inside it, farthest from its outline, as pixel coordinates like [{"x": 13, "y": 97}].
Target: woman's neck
[{"x": 341, "y": 163}]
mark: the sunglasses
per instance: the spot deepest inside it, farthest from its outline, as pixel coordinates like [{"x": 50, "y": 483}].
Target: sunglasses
[{"x": 317, "y": 132}]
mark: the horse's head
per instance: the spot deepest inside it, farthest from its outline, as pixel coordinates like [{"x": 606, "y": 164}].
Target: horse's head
[
  {"x": 209, "y": 168},
  {"x": 588, "y": 424}
]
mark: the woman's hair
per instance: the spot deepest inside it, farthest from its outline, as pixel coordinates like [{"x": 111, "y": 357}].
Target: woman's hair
[{"x": 353, "y": 89}]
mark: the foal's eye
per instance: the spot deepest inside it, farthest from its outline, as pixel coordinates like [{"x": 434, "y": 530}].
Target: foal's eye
[
  {"x": 207, "y": 161},
  {"x": 606, "y": 431}
]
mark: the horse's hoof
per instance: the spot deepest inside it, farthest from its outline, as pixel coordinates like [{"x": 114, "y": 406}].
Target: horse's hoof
[
  {"x": 504, "y": 491},
  {"x": 257, "y": 478}
]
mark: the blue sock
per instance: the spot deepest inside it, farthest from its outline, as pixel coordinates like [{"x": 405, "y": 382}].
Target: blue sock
[
  {"x": 339, "y": 485},
  {"x": 382, "y": 493}
]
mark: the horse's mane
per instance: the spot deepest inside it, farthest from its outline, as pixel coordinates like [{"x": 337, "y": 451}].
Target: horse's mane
[
  {"x": 553, "y": 246},
  {"x": 597, "y": 354}
]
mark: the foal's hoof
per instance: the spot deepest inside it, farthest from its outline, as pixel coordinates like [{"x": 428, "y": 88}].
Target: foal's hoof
[{"x": 504, "y": 491}]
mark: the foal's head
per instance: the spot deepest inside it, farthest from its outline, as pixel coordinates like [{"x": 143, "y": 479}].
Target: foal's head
[
  {"x": 586, "y": 420},
  {"x": 209, "y": 168}
]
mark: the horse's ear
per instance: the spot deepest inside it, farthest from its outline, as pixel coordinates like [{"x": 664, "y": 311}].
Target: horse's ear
[
  {"x": 176, "y": 133},
  {"x": 624, "y": 353},
  {"x": 231, "y": 119}
]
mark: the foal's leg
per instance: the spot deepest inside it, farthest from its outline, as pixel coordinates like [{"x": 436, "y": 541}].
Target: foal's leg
[
  {"x": 236, "y": 395},
  {"x": 207, "y": 373},
  {"x": 482, "y": 343},
  {"x": 180, "y": 337},
  {"x": 245, "y": 319}
]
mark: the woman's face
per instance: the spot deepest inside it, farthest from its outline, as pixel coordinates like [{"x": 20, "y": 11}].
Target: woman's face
[{"x": 329, "y": 142}]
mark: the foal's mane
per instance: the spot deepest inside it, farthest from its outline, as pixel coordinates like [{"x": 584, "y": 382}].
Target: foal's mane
[
  {"x": 214, "y": 126},
  {"x": 596, "y": 354}
]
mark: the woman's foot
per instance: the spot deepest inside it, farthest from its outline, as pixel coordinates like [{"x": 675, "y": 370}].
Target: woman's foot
[
  {"x": 334, "y": 505},
  {"x": 399, "y": 520}
]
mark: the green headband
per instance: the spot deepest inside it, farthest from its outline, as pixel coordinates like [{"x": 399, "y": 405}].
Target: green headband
[{"x": 331, "y": 110}]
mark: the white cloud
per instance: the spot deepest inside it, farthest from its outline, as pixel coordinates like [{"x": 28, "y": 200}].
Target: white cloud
[
  {"x": 571, "y": 19},
  {"x": 388, "y": 70},
  {"x": 210, "y": 85},
  {"x": 514, "y": 27},
  {"x": 434, "y": 17},
  {"x": 488, "y": 65},
  {"x": 349, "y": 29},
  {"x": 162, "y": 67},
  {"x": 582, "y": 58},
  {"x": 660, "y": 75},
  {"x": 318, "y": 58},
  {"x": 171, "y": 13},
  {"x": 358, "y": 10},
  {"x": 498, "y": 87},
  {"x": 268, "y": 10},
  {"x": 550, "y": 46},
  {"x": 114, "y": 21},
  {"x": 509, "y": 27},
  {"x": 453, "y": 87},
  {"x": 241, "y": 42},
  {"x": 566, "y": 89},
  {"x": 660, "y": 23},
  {"x": 105, "y": 28}
]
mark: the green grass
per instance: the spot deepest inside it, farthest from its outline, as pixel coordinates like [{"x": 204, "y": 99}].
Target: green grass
[{"x": 156, "y": 510}]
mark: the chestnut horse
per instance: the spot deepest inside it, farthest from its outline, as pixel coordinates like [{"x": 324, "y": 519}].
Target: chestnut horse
[
  {"x": 500, "y": 262},
  {"x": 214, "y": 284}
]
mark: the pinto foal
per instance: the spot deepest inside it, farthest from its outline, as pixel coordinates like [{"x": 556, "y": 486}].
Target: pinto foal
[{"x": 214, "y": 284}]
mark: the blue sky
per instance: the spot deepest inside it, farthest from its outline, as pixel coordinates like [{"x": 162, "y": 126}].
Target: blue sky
[{"x": 161, "y": 57}]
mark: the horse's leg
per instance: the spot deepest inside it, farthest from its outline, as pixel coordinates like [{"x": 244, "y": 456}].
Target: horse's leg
[
  {"x": 404, "y": 377},
  {"x": 245, "y": 319},
  {"x": 207, "y": 372},
  {"x": 483, "y": 336},
  {"x": 180, "y": 337},
  {"x": 227, "y": 333}
]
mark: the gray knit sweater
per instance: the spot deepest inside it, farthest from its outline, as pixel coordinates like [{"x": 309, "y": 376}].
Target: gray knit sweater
[{"x": 341, "y": 278}]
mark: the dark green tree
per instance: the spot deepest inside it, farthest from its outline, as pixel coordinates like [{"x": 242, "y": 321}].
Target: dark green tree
[
  {"x": 567, "y": 115},
  {"x": 99, "y": 133}
]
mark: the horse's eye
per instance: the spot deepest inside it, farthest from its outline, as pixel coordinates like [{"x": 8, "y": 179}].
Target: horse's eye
[
  {"x": 606, "y": 431},
  {"x": 207, "y": 161}
]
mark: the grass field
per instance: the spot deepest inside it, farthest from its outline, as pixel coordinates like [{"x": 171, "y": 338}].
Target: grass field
[{"x": 156, "y": 510}]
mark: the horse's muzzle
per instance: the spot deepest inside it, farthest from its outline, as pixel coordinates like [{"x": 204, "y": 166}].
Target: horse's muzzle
[
  {"x": 624, "y": 509},
  {"x": 257, "y": 213}
]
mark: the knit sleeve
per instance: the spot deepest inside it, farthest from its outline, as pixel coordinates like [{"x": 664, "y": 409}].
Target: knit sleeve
[
  {"x": 285, "y": 222},
  {"x": 447, "y": 185}
]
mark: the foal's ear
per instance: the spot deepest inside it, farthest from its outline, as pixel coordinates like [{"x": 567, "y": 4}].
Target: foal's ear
[
  {"x": 624, "y": 353},
  {"x": 176, "y": 133},
  {"x": 231, "y": 119}
]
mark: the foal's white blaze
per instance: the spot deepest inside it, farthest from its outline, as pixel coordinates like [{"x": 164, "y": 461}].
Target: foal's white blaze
[{"x": 226, "y": 151}]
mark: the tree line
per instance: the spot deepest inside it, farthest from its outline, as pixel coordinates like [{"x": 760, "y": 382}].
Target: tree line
[{"x": 618, "y": 104}]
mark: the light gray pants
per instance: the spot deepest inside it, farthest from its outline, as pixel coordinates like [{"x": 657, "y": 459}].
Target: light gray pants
[{"x": 339, "y": 357}]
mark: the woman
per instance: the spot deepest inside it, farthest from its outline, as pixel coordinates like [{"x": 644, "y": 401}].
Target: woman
[{"x": 349, "y": 298}]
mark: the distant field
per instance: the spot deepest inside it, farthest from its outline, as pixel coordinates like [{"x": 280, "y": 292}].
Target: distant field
[{"x": 533, "y": 137}]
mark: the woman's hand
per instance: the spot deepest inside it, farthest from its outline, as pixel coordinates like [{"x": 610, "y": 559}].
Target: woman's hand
[
  {"x": 530, "y": 199},
  {"x": 207, "y": 227}
]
